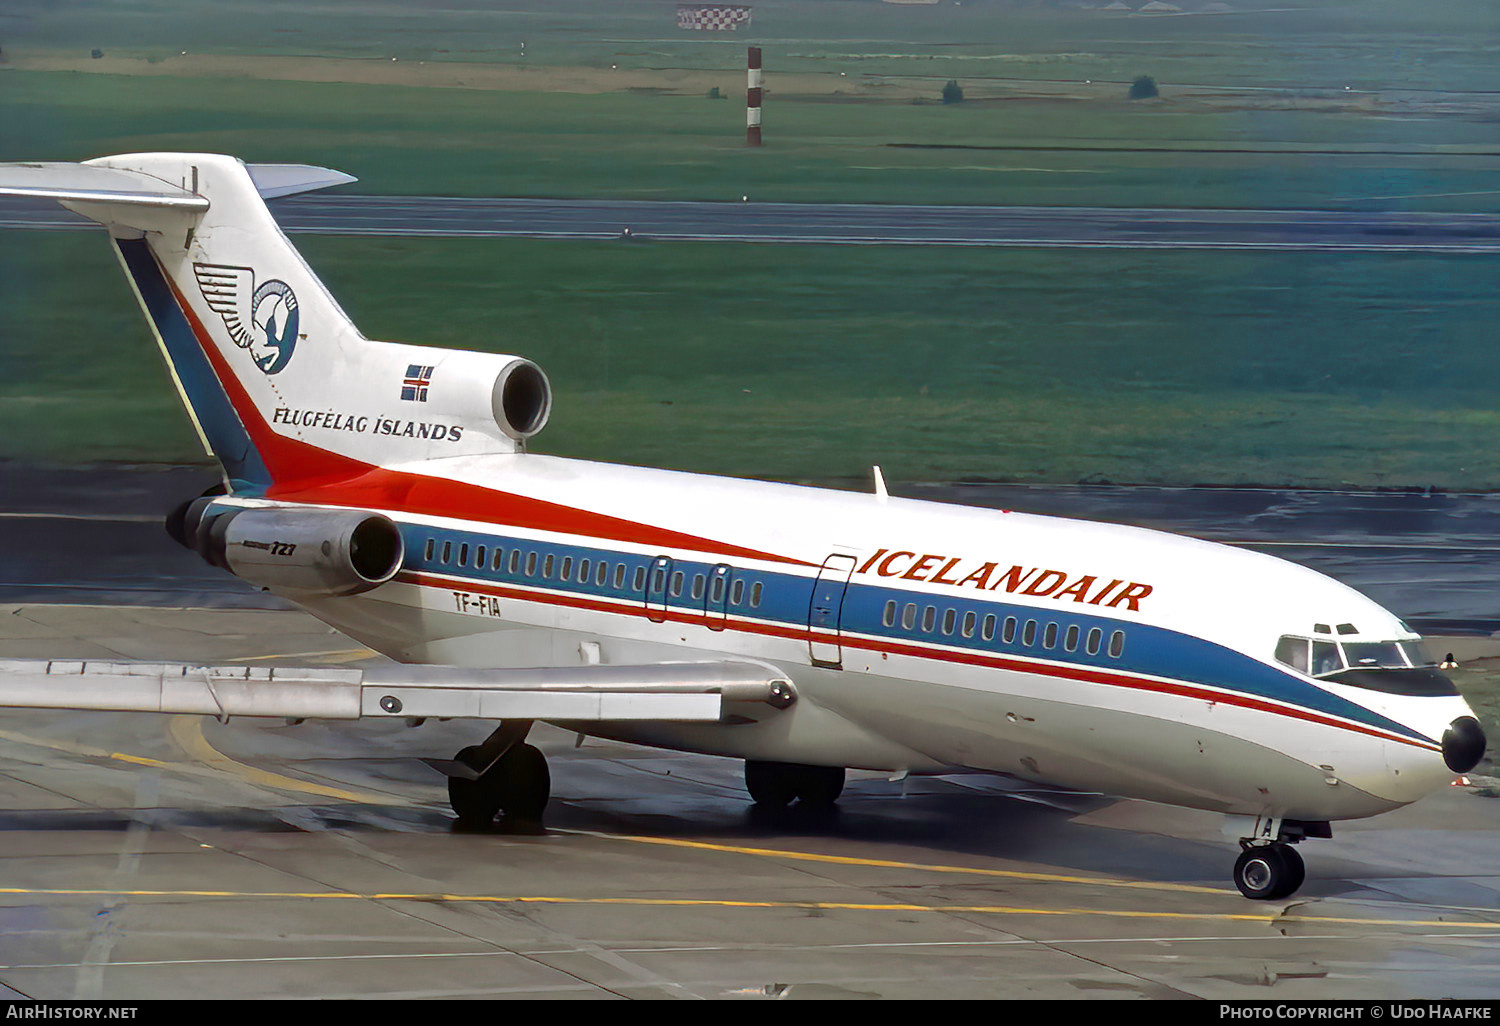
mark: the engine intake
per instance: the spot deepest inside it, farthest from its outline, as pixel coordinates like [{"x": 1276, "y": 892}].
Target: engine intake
[{"x": 317, "y": 551}]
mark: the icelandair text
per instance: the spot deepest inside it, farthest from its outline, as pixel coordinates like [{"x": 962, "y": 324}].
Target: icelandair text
[{"x": 1019, "y": 580}]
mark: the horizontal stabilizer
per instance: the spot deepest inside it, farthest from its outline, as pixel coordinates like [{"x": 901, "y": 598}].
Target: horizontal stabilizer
[
  {"x": 87, "y": 183},
  {"x": 273, "y": 181},
  {"x": 681, "y": 692},
  {"x": 91, "y": 183}
]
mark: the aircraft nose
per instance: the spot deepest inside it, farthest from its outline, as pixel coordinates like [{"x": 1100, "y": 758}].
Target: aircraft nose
[{"x": 1463, "y": 744}]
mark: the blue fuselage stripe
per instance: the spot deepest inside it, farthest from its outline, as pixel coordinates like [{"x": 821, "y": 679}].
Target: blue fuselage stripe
[
  {"x": 221, "y": 425},
  {"x": 785, "y": 600}
]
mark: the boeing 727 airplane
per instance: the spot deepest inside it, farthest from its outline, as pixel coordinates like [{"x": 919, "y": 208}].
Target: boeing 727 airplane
[{"x": 386, "y": 489}]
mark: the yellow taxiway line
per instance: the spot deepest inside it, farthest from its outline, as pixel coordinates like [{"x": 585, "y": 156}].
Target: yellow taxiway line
[
  {"x": 1266, "y": 918},
  {"x": 187, "y": 731}
]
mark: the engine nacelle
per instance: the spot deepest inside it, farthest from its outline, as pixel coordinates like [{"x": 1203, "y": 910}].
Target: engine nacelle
[
  {"x": 481, "y": 391},
  {"x": 295, "y": 548}
]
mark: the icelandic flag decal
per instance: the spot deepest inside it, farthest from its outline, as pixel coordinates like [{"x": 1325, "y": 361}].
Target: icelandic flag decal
[{"x": 414, "y": 388}]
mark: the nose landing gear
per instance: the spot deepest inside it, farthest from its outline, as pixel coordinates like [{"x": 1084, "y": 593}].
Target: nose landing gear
[
  {"x": 1268, "y": 867},
  {"x": 1268, "y": 871}
]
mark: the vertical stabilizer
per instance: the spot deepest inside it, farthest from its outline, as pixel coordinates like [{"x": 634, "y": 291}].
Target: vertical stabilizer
[{"x": 279, "y": 383}]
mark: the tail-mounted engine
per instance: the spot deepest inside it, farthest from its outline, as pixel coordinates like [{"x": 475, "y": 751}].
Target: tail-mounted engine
[{"x": 293, "y": 548}]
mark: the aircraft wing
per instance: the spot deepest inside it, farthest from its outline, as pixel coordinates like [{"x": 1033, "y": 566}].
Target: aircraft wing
[{"x": 683, "y": 692}]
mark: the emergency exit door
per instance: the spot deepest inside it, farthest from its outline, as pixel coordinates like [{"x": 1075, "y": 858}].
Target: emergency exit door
[{"x": 825, "y": 613}]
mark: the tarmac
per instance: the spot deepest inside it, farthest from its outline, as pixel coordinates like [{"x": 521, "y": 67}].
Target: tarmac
[
  {"x": 856, "y": 224},
  {"x": 148, "y": 856}
]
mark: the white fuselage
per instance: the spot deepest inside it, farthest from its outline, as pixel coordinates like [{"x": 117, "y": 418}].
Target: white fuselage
[{"x": 920, "y": 636}]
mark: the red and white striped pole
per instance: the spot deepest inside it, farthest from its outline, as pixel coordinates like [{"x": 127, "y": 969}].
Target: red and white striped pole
[{"x": 752, "y": 99}]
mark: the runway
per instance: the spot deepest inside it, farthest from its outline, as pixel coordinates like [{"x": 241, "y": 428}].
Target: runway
[{"x": 856, "y": 224}]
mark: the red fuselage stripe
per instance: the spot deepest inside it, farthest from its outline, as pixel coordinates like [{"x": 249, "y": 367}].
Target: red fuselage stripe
[
  {"x": 657, "y": 615},
  {"x": 306, "y": 473}
]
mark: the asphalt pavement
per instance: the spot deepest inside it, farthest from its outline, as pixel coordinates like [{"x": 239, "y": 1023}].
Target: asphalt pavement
[{"x": 855, "y": 224}]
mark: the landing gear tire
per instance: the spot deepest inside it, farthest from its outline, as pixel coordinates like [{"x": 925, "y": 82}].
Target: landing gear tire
[
  {"x": 475, "y": 802},
  {"x": 1267, "y": 872},
  {"x": 519, "y": 785},
  {"x": 775, "y": 785},
  {"x": 525, "y": 783}
]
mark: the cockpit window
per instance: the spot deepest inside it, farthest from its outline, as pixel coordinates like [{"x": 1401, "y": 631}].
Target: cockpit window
[
  {"x": 1320, "y": 658},
  {"x": 1292, "y": 652},
  {"x": 1374, "y": 655},
  {"x": 1393, "y": 667},
  {"x": 1325, "y": 658}
]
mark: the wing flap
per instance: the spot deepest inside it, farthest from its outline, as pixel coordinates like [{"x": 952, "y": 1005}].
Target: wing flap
[{"x": 683, "y": 692}]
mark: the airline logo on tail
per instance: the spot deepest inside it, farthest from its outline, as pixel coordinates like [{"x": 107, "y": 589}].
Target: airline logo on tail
[{"x": 262, "y": 319}]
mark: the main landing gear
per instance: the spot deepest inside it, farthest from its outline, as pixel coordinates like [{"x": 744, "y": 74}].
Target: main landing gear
[
  {"x": 775, "y": 785},
  {"x": 502, "y": 776}
]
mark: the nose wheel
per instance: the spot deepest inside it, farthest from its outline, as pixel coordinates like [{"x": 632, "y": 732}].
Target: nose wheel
[{"x": 1266, "y": 872}]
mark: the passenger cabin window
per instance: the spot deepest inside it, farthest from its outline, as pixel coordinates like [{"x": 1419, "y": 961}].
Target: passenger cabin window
[
  {"x": 988, "y": 630},
  {"x": 970, "y": 619},
  {"x": 1095, "y": 639},
  {"x": 755, "y": 592},
  {"x": 430, "y": 545},
  {"x": 1116, "y": 644},
  {"x": 909, "y": 616},
  {"x": 888, "y": 619}
]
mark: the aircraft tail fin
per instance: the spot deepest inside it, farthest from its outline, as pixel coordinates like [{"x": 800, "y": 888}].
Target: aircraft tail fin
[{"x": 279, "y": 383}]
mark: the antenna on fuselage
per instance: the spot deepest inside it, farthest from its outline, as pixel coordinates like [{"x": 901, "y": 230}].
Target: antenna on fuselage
[{"x": 880, "y": 492}]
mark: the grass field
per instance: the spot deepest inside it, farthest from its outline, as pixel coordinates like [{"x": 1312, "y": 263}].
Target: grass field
[
  {"x": 1371, "y": 44},
  {"x": 814, "y": 362},
  {"x": 611, "y": 99},
  {"x": 1052, "y": 151}
]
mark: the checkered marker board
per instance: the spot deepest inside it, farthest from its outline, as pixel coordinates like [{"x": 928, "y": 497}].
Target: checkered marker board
[{"x": 712, "y": 18}]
